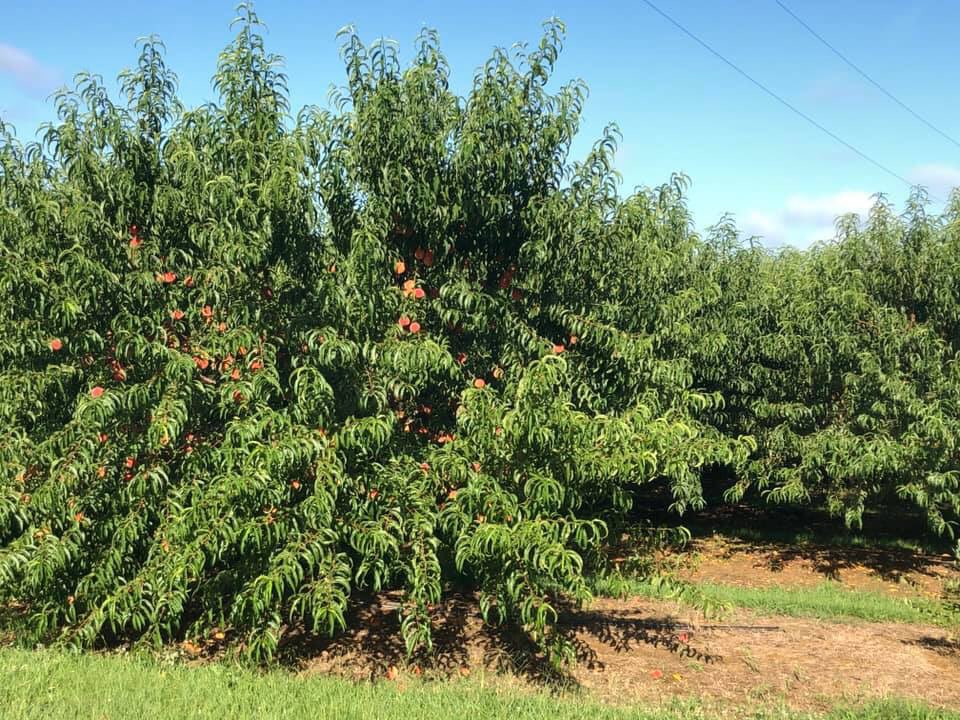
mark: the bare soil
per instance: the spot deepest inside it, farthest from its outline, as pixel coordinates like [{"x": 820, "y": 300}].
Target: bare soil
[
  {"x": 755, "y": 564},
  {"x": 641, "y": 651},
  {"x": 644, "y": 651}
]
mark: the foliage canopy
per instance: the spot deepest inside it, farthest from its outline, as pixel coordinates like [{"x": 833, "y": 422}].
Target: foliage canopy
[{"x": 252, "y": 365}]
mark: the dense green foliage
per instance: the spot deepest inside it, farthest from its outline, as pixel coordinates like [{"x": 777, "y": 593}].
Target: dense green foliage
[
  {"x": 252, "y": 365},
  {"x": 843, "y": 366}
]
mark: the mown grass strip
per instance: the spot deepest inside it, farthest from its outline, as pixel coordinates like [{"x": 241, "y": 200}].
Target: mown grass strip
[
  {"x": 827, "y": 600},
  {"x": 54, "y": 685}
]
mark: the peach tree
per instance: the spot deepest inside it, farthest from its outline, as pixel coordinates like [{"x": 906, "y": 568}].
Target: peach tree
[{"x": 254, "y": 365}]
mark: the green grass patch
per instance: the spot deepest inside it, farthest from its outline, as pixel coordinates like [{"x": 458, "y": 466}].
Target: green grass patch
[
  {"x": 827, "y": 600},
  {"x": 49, "y": 684}
]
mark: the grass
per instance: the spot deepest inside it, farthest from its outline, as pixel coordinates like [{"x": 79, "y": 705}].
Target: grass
[
  {"x": 827, "y": 600},
  {"x": 54, "y": 685}
]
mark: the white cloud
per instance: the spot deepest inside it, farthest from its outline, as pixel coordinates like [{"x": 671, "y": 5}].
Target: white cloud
[
  {"x": 27, "y": 72},
  {"x": 805, "y": 219},
  {"x": 939, "y": 179}
]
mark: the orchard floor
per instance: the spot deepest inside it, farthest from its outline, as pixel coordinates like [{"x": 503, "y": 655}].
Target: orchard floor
[
  {"x": 648, "y": 653},
  {"x": 643, "y": 650}
]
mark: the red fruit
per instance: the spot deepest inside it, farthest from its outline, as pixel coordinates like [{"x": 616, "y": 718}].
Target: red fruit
[
  {"x": 266, "y": 293},
  {"x": 400, "y": 267},
  {"x": 404, "y": 321},
  {"x": 235, "y": 375},
  {"x": 96, "y": 391},
  {"x": 295, "y": 484},
  {"x": 425, "y": 467},
  {"x": 419, "y": 294},
  {"x": 414, "y": 327},
  {"x": 479, "y": 383},
  {"x": 462, "y": 358},
  {"x": 130, "y": 463},
  {"x": 419, "y": 253},
  {"x": 56, "y": 345},
  {"x": 177, "y": 314},
  {"x": 476, "y": 467},
  {"x": 169, "y": 277},
  {"x": 188, "y": 281},
  {"x": 374, "y": 494},
  {"x": 428, "y": 258},
  {"x": 207, "y": 311},
  {"x": 558, "y": 349},
  {"x": 135, "y": 242},
  {"x": 256, "y": 365},
  {"x": 201, "y": 362},
  {"x": 119, "y": 375},
  {"x": 237, "y": 396},
  {"x": 102, "y": 437}
]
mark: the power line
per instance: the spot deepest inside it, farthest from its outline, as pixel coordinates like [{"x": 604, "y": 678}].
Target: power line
[
  {"x": 778, "y": 98},
  {"x": 864, "y": 74}
]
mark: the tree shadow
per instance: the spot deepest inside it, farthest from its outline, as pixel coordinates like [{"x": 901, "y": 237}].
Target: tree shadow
[
  {"x": 373, "y": 643},
  {"x": 945, "y": 646},
  {"x": 623, "y": 634}
]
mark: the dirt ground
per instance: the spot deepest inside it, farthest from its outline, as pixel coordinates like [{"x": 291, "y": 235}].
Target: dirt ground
[
  {"x": 647, "y": 651},
  {"x": 751, "y": 564}
]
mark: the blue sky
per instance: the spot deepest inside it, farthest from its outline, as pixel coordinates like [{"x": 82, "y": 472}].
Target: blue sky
[{"x": 678, "y": 107}]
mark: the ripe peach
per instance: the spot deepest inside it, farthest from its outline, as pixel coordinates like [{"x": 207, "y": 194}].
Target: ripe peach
[
  {"x": 56, "y": 345},
  {"x": 414, "y": 327},
  {"x": 479, "y": 383},
  {"x": 96, "y": 391},
  {"x": 399, "y": 267}
]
